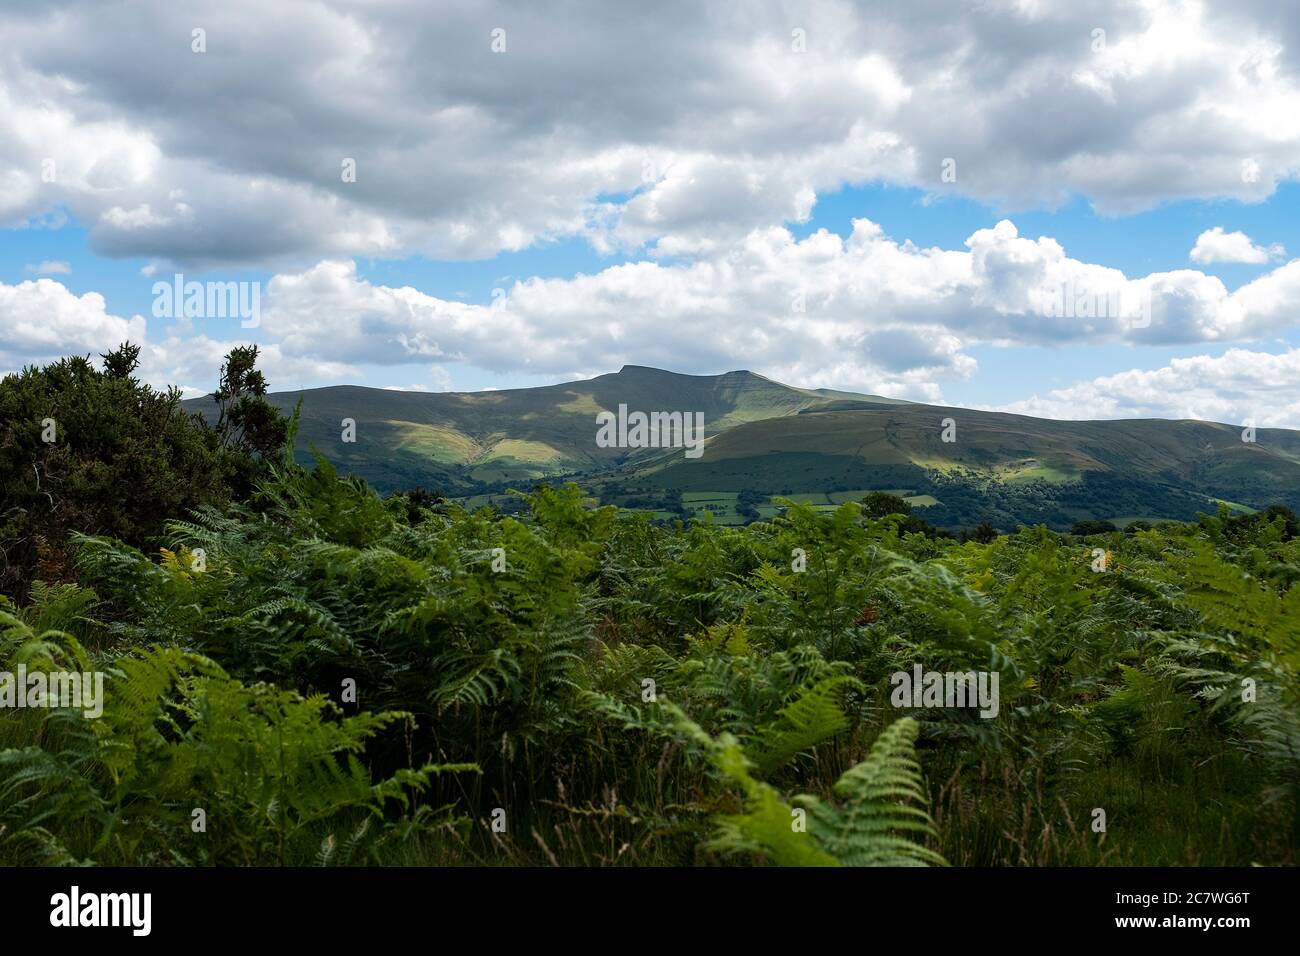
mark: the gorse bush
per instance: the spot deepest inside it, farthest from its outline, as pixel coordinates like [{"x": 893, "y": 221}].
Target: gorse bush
[
  {"x": 580, "y": 685},
  {"x": 91, "y": 450}
]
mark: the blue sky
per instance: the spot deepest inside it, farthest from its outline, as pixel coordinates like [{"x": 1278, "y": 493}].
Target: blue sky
[{"x": 662, "y": 196}]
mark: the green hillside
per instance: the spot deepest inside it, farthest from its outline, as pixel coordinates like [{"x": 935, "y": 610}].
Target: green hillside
[
  {"x": 907, "y": 439},
  {"x": 455, "y": 439},
  {"x": 1007, "y": 469},
  {"x": 767, "y": 439}
]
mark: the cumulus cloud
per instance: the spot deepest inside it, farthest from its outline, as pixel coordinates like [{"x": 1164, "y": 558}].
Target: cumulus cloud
[
  {"x": 863, "y": 311},
  {"x": 439, "y": 381},
  {"x": 1235, "y": 387},
  {"x": 686, "y": 137},
  {"x": 677, "y": 128},
  {"x": 42, "y": 320},
  {"x": 192, "y": 363},
  {"x": 1215, "y": 245}
]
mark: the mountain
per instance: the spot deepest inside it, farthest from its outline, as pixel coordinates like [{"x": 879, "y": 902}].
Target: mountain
[
  {"x": 1006, "y": 469},
  {"x": 460, "y": 439},
  {"x": 765, "y": 438},
  {"x": 850, "y": 438}
]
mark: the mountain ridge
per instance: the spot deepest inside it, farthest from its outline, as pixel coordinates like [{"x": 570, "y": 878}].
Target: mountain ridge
[
  {"x": 767, "y": 438},
  {"x": 521, "y": 433}
]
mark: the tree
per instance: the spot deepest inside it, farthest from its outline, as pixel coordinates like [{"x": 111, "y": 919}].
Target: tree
[
  {"x": 95, "y": 451},
  {"x": 747, "y": 503},
  {"x": 1244, "y": 526},
  {"x": 414, "y": 502},
  {"x": 878, "y": 504},
  {"x": 246, "y": 420},
  {"x": 982, "y": 533},
  {"x": 1291, "y": 524},
  {"x": 122, "y": 362},
  {"x": 1085, "y": 528},
  {"x": 248, "y": 426}
]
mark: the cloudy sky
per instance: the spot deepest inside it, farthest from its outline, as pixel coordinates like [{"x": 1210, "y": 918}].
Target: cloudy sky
[{"x": 927, "y": 199}]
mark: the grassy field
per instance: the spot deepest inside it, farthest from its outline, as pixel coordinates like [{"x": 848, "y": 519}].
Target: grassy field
[{"x": 724, "y": 504}]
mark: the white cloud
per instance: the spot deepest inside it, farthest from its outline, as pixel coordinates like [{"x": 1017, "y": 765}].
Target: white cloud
[
  {"x": 680, "y": 127},
  {"x": 1215, "y": 245},
  {"x": 51, "y": 267},
  {"x": 42, "y": 320},
  {"x": 692, "y": 133},
  {"x": 863, "y": 311},
  {"x": 1235, "y": 387},
  {"x": 193, "y": 363},
  {"x": 439, "y": 381}
]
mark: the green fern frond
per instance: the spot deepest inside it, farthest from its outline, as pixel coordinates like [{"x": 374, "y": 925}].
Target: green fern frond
[
  {"x": 813, "y": 716},
  {"x": 882, "y": 807},
  {"x": 882, "y": 803}
]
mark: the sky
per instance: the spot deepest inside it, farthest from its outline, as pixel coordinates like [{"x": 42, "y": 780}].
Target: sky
[{"x": 1075, "y": 209}]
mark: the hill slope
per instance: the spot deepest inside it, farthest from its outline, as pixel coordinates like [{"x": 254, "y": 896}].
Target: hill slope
[
  {"x": 1006, "y": 469},
  {"x": 766, "y": 438},
  {"x": 908, "y": 440},
  {"x": 455, "y": 439}
]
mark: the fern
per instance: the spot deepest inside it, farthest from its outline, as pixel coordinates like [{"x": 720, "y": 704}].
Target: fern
[
  {"x": 883, "y": 801},
  {"x": 269, "y": 768},
  {"x": 813, "y": 716}
]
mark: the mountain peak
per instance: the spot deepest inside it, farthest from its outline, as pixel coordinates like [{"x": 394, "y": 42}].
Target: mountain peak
[{"x": 642, "y": 369}]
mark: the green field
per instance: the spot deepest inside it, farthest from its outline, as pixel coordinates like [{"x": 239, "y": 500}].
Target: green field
[{"x": 723, "y": 504}]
